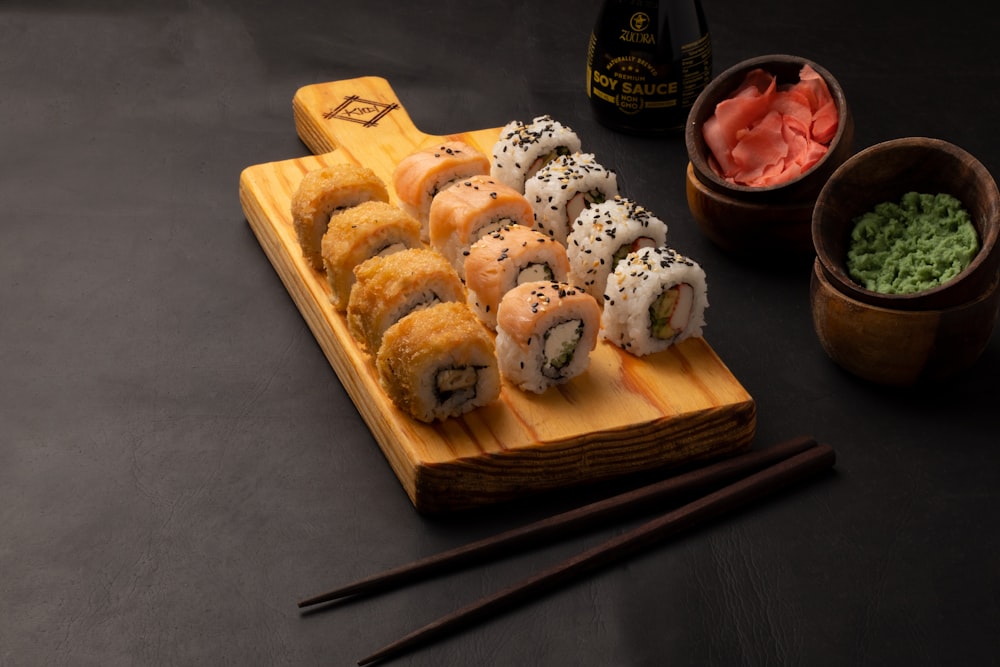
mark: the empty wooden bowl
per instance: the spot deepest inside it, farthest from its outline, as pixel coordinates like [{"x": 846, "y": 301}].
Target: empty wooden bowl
[
  {"x": 774, "y": 220},
  {"x": 902, "y": 339}
]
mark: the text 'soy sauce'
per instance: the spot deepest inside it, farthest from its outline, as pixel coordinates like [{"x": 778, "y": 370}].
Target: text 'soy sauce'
[{"x": 647, "y": 61}]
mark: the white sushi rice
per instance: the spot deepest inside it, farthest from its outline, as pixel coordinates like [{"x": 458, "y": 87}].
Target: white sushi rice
[
  {"x": 525, "y": 363},
  {"x": 633, "y": 288},
  {"x": 524, "y": 147},
  {"x": 564, "y": 187},
  {"x": 428, "y": 405},
  {"x": 605, "y": 230}
]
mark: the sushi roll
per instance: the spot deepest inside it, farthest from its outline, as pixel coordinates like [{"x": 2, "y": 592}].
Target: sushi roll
[
  {"x": 364, "y": 231},
  {"x": 566, "y": 186},
  {"x": 323, "y": 193},
  {"x": 438, "y": 362},
  {"x": 654, "y": 298},
  {"x": 545, "y": 334},
  {"x": 421, "y": 175},
  {"x": 603, "y": 235},
  {"x": 388, "y": 288},
  {"x": 506, "y": 258},
  {"x": 524, "y": 148},
  {"x": 470, "y": 208}
]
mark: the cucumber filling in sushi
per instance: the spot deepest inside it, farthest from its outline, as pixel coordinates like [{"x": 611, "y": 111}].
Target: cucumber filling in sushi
[
  {"x": 455, "y": 385},
  {"x": 534, "y": 272},
  {"x": 560, "y": 345},
  {"x": 626, "y": 248},
  {"x": 581, "y": 201},
  {"x": 670, "y": 312},
  {"x": 543, "y": 160}
]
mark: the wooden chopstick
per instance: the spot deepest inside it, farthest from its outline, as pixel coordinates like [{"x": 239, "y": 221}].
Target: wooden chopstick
[
  {"x": 560, "y": 525},
  {"x": 757, "y": 485}
]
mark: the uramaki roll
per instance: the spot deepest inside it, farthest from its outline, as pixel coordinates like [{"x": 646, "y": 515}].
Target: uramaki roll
[
  {"x": 545, "y": 334},
  {"x": 469, "y": 209},
  {"x": 421, "y": 175},
  {"x": 655, "y": 298},
  {"x": 389, "y": 288},
  {"x": 603, "y": 235},
  {"x": 361, "y": 232},
  {"x": 566, "y": 186},
  {"x": 524, "y": 148},
  {"x": 506, "y": 258},
  {"x": 438, "y": 362},
  {"x": 324, "y": 192}
]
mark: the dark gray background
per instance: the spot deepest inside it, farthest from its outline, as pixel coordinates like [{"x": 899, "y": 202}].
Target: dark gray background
[{"x": 179, "y": 464}]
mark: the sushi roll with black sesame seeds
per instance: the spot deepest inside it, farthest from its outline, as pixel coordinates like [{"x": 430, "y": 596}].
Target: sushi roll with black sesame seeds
[
  {"x": 566, "y": 186},
  {"x": 545, "y": 334},
  {"x": 524, "y": 148},
  {"x": 654, "y": 298},
  {"x": 502, "y": 260},
  {"x": 604, "y": 234},
  {"x": 470, "y": 209}
]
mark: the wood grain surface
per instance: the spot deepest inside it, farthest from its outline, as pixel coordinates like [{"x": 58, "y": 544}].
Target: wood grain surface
[{"x": 623, "y": 415}]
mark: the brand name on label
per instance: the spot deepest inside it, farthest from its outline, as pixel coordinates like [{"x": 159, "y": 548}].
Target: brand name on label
[{"x": 633, "y": 37}]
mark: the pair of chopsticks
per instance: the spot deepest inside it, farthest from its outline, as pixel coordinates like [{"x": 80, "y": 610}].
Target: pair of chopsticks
[{"x": 748, "y": 477}]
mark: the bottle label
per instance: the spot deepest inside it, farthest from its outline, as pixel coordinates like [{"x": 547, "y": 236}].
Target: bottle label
[{"x": 625, "y": 74}]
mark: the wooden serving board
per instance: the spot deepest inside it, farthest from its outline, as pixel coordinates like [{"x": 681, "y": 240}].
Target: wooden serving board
[{"x": 623, "y": 415}]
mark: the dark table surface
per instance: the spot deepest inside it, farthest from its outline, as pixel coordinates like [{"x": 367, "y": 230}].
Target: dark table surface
[{"x": 179, "y": 464}]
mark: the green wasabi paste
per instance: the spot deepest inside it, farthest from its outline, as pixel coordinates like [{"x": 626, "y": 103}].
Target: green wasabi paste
[{"x": 923, "y": 241}]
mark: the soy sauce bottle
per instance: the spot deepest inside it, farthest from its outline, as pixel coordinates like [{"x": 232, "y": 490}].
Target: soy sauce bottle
[{"x": 646, "y": 64}]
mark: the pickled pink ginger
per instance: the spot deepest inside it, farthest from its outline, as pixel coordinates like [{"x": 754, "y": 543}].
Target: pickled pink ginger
[{"x": 766, "y": 134}]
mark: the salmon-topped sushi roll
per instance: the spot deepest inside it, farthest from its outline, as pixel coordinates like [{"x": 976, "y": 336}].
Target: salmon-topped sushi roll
[
  {"x": 359, "y": 233},
  {"x": 386, "y": 289},
  {"x": 469, "y": 209},
  {"x": 438, "y": 362},
  {"x": 506, "y": 258},
  {"x": 421, "y": 175},
  {"x": 545, "y": 334},
  {"x": 566, "y": 186},
  {"x": 324, "y": 192}
]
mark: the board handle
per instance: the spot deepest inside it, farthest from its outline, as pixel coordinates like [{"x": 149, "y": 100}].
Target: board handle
[
  {"x": 348, "y": 114},
  {"x": 352, "y": 115}
]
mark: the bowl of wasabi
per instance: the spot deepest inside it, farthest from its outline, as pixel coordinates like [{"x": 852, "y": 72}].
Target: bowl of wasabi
[{"x": 905, "y": 280}]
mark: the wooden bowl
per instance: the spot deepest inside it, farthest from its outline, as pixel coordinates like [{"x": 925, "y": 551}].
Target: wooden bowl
[
  {"x": 901, "y": 347},
  {"x": 746, "y": 220},
  {"x": 887, "y": 171},
  {"x": 902, "y": 339}
]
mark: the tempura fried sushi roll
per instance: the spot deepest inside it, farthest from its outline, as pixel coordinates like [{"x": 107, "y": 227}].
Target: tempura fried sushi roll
[
  {"x": 323, "y": 193},
  {"x": 506, "y": 258},
  {"x": 603, "y": 235},
  {"x": 545, "y": 334},
  {"x": 361, "y": 232},
  {"x": 469, "y": 209},
  {"x": 564, "y": 187},
  {"x": 421, "y": 175},
  {"x": 524, "y": 148},
  {"x": 438, "y": 362},
  {"x": 386, "y": 289},
  {"x": 654, "y": 299}
]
